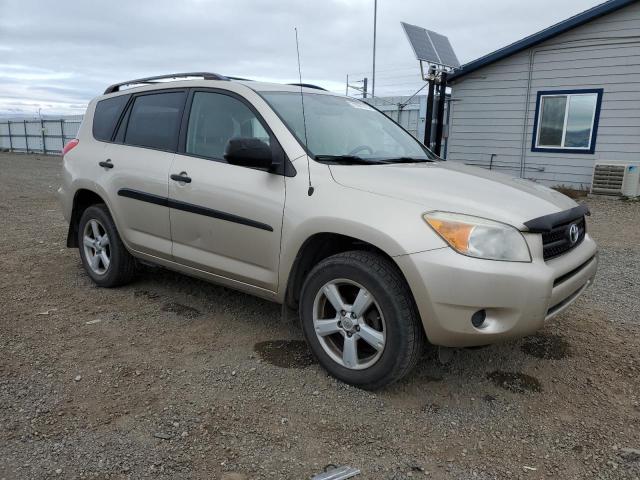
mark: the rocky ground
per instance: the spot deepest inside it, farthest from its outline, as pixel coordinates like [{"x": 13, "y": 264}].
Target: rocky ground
[{"x": 172, "y": 377}]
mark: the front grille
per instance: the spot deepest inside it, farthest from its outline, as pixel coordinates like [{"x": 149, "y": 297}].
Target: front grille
[{"x": 557, "y": 241}]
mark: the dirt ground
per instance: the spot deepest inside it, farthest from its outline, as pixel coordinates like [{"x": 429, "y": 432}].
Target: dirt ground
[{"x": 171, "y": 377}]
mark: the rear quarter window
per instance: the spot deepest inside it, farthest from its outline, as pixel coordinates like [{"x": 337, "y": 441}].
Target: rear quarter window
[
  {"x": 106, "y": 116},
  {"x": 154, "y": 120}
]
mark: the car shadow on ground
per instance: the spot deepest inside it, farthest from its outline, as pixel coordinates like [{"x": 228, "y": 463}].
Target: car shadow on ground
[{"x": 462, "y": 372}]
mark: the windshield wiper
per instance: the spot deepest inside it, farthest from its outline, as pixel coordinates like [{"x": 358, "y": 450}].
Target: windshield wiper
[
  {"x": 406, "y": 160},
  {"x": 346, "y": 159}
]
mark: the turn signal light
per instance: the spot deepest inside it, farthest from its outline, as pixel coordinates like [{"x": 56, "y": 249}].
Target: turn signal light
[{"x": 456, "y": 233}]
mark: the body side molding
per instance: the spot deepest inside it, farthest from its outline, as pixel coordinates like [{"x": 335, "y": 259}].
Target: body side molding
[{"x": 191, "y": 208}]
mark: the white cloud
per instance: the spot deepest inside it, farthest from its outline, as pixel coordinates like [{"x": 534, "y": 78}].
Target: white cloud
[{"x": 57, "y": 55}]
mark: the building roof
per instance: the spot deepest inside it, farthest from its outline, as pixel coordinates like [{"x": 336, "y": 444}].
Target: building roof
[{"x": 542, "y": 36}]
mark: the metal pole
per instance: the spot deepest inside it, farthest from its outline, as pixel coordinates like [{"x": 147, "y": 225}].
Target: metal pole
[
  {"x": 373, "y": 73},
  {"x": 62, "y": 133},
  {"x": 442, "y": 92},
  {"x": 347, "y": 87},
  {"x": 447, "y": 123},
  {"x": 428, "y": 119},
  {"x": 364, "y": 87},
  {"x": 10, "y": 142},
  {"x": 44, "y": 140},
  {"x": 26, "y": 138}
]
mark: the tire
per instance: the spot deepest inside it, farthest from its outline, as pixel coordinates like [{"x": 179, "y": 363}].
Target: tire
[
  {"x": 390, "y": 320},
  {"x": 121, "y": 266}
]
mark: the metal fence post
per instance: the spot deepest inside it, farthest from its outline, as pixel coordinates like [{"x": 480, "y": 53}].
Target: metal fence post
[
  {"x": 10, "y": 142},
  {"x": 62, "y": 133},
  {"x": 26, "y": 137},
  {"x": 44, "y": 141}
]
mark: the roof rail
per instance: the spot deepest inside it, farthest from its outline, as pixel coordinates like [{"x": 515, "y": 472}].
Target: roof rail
[
  {"x": 205, "y": 75},
  {"x": 242, "y": 79},
  {"x": 308, "y": 85}
]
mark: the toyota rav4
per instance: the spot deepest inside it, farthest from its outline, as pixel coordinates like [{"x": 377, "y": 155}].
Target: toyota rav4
[{"x": 323, "y": 203}]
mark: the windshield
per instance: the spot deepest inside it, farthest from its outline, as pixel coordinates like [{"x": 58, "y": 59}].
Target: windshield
[{"x": 345, "y": 130}]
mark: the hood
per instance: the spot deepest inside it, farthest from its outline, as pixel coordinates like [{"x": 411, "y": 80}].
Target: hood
[{"x": 454, "y": 187}]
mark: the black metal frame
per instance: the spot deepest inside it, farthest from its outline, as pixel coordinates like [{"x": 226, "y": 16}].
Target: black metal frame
[
  {"x": 442, "y": 92},
  {"x": 148, "y": 80}
]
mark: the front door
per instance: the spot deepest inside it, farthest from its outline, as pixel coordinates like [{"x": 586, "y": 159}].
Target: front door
[{"x": 225, "y": 219}]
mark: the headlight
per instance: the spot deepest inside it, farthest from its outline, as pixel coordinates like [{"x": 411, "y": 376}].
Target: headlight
[{"x": 479, "y": 237}]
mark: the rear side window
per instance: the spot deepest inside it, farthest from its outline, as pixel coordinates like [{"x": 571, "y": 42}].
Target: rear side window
[
  {"x": 154, "y": 120},
  {"x": 106, "y": 116}
]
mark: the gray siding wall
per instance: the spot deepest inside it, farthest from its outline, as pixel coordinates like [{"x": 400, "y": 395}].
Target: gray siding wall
[
  {"x": 411, "y": 116},
  {"x": 493, "y": 109}
]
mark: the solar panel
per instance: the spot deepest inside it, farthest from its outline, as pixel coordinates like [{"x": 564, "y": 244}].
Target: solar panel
[
  {"x": 444, "y": 49},
  {"x": 430, "y": 46},
  {"x": 421, "y": 44}
]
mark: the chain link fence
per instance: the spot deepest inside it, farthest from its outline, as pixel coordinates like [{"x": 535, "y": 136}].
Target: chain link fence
[{"x": 37, "y": 136}]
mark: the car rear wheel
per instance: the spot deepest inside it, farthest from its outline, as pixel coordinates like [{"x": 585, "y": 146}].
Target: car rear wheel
[
  {"x": 104, "y": 257},
  {"x": 359, "y": 319}
]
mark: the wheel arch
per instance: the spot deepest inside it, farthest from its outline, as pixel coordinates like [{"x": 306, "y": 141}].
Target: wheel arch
[
  {"x": 316, "y": 248},
  {"x": 82, "y": 199}
]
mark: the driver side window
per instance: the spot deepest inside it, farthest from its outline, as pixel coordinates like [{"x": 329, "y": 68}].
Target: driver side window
[{"x": 214, "y": 119}]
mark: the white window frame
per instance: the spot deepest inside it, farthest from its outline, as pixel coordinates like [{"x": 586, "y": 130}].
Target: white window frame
[{"x": 568, "y": 96}]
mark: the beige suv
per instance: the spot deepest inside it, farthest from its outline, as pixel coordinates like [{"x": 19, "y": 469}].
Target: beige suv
[{"x": 319, "y": 201}]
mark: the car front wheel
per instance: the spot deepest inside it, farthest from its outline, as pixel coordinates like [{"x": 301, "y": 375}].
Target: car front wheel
[{"x": 359, "y": 319}]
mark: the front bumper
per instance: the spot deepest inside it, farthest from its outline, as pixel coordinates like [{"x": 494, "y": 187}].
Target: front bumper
[{"x": 518, "y": 297}]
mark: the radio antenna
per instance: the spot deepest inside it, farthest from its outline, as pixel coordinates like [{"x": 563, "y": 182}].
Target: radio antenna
[{"x": 304, "y": 118}]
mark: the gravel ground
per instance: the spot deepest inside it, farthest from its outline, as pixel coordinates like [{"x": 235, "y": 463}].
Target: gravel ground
[{"x": 171, "y": 377}]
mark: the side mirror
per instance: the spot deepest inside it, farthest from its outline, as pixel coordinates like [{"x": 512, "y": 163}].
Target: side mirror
[{"x": 248, "y": 152}]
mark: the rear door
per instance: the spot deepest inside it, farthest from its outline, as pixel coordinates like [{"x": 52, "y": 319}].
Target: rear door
[
  {"x": 137, "y": 183},
  {"x": 228, "y": 219}
]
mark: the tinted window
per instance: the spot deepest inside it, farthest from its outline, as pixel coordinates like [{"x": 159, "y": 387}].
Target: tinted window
[
  {"x": 214, "y": 119},
  {"x": 106, "y": 116},
  {"x": 154, "y": 120}
]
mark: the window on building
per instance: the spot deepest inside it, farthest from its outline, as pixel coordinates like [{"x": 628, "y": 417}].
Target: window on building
[{"x": 567, "y": 121}]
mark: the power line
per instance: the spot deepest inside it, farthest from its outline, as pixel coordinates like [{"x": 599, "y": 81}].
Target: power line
[{"x": 390, "y": 69}]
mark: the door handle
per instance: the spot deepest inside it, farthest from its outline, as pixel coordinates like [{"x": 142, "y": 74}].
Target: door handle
[
  {"x": 182, "y": 177},
  {"x": 106, "y": 164}
]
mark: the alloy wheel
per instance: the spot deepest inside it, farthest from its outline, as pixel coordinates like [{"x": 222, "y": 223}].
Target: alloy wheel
[
  {"x": 97, "y": 249},
  {"x": 349, "y": 324}
]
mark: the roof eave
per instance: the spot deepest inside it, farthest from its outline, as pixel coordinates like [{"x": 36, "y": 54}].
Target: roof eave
[{"x": 542, "y": 36}]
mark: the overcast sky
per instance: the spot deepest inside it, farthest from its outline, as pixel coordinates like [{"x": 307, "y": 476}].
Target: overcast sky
[{"x": 56, "y": 55}]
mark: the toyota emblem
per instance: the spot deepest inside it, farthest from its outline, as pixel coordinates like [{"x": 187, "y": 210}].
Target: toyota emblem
[{"x": 574, "y": 233}]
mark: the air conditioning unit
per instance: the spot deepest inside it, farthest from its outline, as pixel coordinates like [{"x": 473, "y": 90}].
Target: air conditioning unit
[{"x": 616, "y": 178}]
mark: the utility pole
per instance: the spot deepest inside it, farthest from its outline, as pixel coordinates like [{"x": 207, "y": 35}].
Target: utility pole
[
  {"x": 373, "y": 73},
  {"x": 362, "y": 89}
]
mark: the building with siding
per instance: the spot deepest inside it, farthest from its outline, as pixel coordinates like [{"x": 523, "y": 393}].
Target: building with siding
[{"x": 551, "y": 105}]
